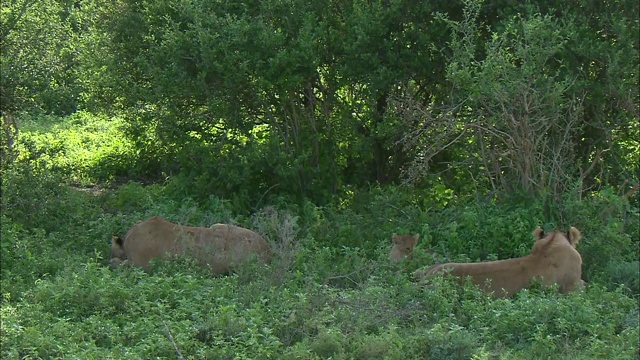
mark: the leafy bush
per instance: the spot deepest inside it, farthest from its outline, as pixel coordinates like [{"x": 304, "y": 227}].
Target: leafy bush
[
  {"x": 611, "y": 229},
  {"x": 328, "y": 344},
  {"x": 482, "y": 230},
  {"x": 33, "y": 196},
  {"x": 131, "y": 197},
  {"x": 87, "y": 148},
  {"x": 623, "y": 273},
  {"x": 443, "y": 341},
  {"x": 378, "y": 346}
]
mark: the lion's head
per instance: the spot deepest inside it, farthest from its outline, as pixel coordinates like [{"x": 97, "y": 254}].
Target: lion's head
[
  {"x": 118, "y": 255},
  {"x": 403, "y": 246}
]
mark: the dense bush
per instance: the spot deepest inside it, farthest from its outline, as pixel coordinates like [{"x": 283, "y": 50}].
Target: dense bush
[{"x": 87, "y": 148}]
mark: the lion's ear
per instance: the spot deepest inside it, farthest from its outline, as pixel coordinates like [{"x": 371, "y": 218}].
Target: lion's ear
[
  {"x": 538, "y": 233},
  {"x": 117, "y": 241},
  {"x": 394, "y": 238},
  {"x": 574, "y": 236}
]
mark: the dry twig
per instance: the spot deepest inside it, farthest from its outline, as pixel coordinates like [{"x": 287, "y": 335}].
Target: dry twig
[{"x": 166, "y": 328}]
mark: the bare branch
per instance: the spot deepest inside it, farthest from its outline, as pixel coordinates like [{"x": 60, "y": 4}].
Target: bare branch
[
  {"x": 584, "y": 174},
  {"x": 633, "y": 190},
  {"x": 175, "y": 347}
]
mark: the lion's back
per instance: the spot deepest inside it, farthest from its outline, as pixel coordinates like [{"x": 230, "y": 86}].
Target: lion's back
[
  {"x": 241, "y": 242},
  {"x": 219, "y": 247},
  {"x": 149, "y": 239}
]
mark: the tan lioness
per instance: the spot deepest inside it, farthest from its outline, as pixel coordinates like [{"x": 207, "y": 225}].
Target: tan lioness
[
  {"x": 220, "y": 247},
  {"x": 553, "y": 260},
  {"x": 403, "y": 246}
]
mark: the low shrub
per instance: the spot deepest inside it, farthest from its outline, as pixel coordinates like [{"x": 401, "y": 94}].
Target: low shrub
[
  {"x": 624, "y": 273},
  {"x": 328, "y": 344},
  {"x": 443, "y": 341},
  {"x": 34, "y": 197}
]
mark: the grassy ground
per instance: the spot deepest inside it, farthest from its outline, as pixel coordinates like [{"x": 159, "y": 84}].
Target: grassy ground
[{"x": 330, "y": 292}]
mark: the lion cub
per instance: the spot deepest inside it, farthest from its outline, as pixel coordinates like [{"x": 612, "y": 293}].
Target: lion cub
[{"x": 403, "y": 246}]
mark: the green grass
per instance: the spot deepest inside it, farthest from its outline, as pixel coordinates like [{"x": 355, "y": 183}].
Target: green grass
[{"x": 329, "y": 293}]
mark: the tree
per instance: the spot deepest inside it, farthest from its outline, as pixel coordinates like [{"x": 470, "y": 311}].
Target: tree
[
  {"x": 524, "y": 100},
  {"x": 38, "y": 56}
]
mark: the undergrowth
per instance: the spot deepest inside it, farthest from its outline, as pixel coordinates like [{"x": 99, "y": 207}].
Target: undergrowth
[{"x": 330, "y": 291}]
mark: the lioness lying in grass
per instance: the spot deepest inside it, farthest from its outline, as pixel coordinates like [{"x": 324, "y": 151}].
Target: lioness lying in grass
[{"x": 553, "y": 260}]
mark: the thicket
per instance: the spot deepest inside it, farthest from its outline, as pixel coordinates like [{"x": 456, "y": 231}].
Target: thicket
[
  {"x": 304, "y": 100},
  {"x": 325, "y": 126}
]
